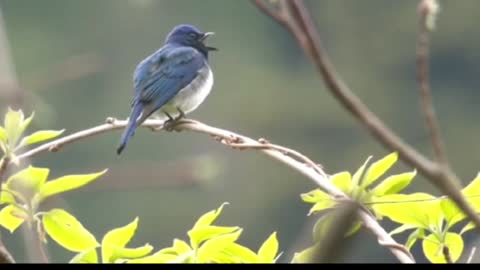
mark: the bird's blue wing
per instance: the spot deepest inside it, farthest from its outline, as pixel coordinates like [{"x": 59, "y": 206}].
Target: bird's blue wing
[{"x": 160, "y": 78}]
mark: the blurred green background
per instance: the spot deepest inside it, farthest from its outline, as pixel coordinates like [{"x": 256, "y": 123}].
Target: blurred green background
[{"x": 76, "y": 58}]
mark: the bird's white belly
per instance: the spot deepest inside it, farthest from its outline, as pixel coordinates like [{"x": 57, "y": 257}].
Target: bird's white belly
[{"x": 191, "y": 96}]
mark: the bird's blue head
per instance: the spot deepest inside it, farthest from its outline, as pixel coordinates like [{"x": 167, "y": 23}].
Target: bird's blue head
[{"x": 188, "y": 35}]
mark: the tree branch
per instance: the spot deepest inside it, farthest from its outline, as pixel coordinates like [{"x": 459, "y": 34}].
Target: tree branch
[
  {"x": 427, "y": 9},
  {"x": 289, "y": 157},
  {"x": 440, "y": 176}
]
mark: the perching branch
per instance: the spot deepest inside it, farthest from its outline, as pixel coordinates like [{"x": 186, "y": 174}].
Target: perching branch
[
  {"x": 289, "y": 157},
  {"x": 300, "y": 24},
  {"x": 427, "y": 10}
]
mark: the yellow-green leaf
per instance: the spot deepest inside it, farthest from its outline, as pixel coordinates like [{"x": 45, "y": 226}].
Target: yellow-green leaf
[
  {"x": 67, "y": 231},
  {"x": 6, "y": 196},
  {"x": 117, "y": 238},
  {"x": 342, "y": 181},
  {"x": 324, "y": 224},
  {"x": 467, "y": 227},
  {"x": 200, "y": 234},
  {"x": 130, "y": 253},
  {"x": 413, "y": 237},
  {"x": 473, "y": 188},
  {"x": 356, "y": 176},
  {"x": 394, "y": 183},
  {"x": 305, "y": 256},
  {"x": 417, "y": 209},
  {"x": 3, "y": 136},
  {"x": 433, "y": 247},
  {"x": 211, "y": 247},
  {"x": 39, "y": 136},
  {"x": 13, "y": 126},
  {"x": 402, "y": 228},
  {"x": 319, "y": 206},
  {"x": 235, "y": 253},
  {"x": 181, "y": 246},
  {"x": 268, "y": 250},
  {"x": 65, "y": 183},
  {"x": 378, "y": 168},
  {"x": 155, "y": 258},
  {"x": 209, "y": 218},
  {"x": 315, "y": 196},
  {"x": 451, "y": 212},
  {"x": 88, "y": 256},
  {"x": 28, "y": 181},
  {"x": 10, "y": 217}
]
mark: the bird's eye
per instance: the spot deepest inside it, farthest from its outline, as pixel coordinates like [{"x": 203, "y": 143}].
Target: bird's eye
[{"x": 192, "y": 35}]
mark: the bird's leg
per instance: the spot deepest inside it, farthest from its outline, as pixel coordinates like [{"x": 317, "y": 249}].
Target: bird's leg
[
  {"x": 181, "y": 115},
  {"x": 168, "y": 125}
]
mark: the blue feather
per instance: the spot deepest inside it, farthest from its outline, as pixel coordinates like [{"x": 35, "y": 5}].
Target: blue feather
[{"x": 131, "y": 126}]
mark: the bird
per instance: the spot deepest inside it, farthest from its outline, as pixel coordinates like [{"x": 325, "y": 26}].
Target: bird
[{"x": 172, "y": 81}]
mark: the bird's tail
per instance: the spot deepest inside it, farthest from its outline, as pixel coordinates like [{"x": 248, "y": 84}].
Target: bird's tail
[{"x": 131, "y": 126}]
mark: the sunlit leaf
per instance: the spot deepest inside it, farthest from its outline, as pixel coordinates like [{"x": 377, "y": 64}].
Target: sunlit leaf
[
  {"x": 342, "y": 181},
  {"x": 433, "y": 248},
  {"x": 473, "y": 188},
  {"x": 413, "y": 237},
  {"x": 155, "y": 258},
  {"x": 378, "y": 168},
  {"x": 65, "y": 183},
  {"x": 451, "y": 212},
  {"x": 214, "y": 245},
  {"x": 117, "y": 238},
  {"x": 325, "y": 223},
  {"x": 319, "y": 206},
  {"x": 394, "y": 183},
  {"x": 28, "y": 181},
  {"x": 6, "y": 196},
  {"x": 315, "y": 196},
  {"x": 417, "y": 209},
  {"x": 268, "y": 250},
  {"x": 209, "y": 217},
  {"x": 67, "y": 231},
  {"x": 130, "y": 253},
  {"x": 402, "y": 228},
  {"x": 39, "y": 136},
  {"x": 88, "y": 256},
  {"x": 235, "y": 253},
  {"x": 12, "y": 124},
  {"x": 3, "y": 136},
  {"x": 200, "y": 234},
  {"x": 306, "y": 255},
  {"x": 11, "y": 217},
  {"x": 468, "y": 227},
  {"x": 181, "y": 246},
  {"x": 356, "y": 176}
]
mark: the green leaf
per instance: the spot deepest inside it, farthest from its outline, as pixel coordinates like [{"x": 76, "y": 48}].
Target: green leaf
[
  {"x": 3, "y": 136},
  {"x": 305, "y": 256},
  {"x": 467, "y": 227},
  {"x": 324, "y": 224},
  {"x": 402, "y": 228},
  {"x": 10, "y": 217},
  {"x": 200, "y": 234},
  {"x": 472, "y": 189},
  {"x": 155, "y": 258},
  {"x": 117, "y": 238},
  {"x": 181, "y": 246},
  {"x": 394, "y": 183},
  {"x": 65, "y": 183},
  {"x": 13, "y": 126},
  {"x": 413, "y": 237},
  {"x": 39, "y": 136},
  {"x": 6, "y": 196},
  {"x": 235, "y": 253},
  {"x": 130, "y": 253},
  {"x": 417, "y": 209},
  {"x": 378, "y": 168},
  {"x": 268, "y": 250},
  {"x": 356, "y": 176},
  {"x": 28, "y": 181},
  {"x": 209, "y": 217},
  {"x": 451, "y": 212},
  {"x": 210, "y": 248},
  {"x": 88, "y": 256},
  {"x": 315, "y": 196},
  {"x": 433, "y": 248},
  {"x": 67, "y": 231},
  {"x": 342, "y": 181},
  {"x": 321, "y": 206}
]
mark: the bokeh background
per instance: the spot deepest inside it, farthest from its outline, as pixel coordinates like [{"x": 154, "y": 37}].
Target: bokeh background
[{"x": 75, "y": 59}]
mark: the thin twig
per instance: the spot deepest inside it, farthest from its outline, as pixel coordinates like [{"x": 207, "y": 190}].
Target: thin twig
[
  {"x": 447, "y": 255},
  {"x": 5, "y": 256},
  {"x": 227, "y": 137},
  {"x": 442, "y": 177},
  {"x": 425, "y": 10},
  {"x": 472, "y": 254}
]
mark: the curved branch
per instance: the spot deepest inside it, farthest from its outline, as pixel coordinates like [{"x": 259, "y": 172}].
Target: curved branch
[
  {"x": 440, "y": 176},
  {"x": 289, "y": 157}
]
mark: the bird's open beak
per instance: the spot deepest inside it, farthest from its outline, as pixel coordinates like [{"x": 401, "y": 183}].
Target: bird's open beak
[{"x": 205, "y": 36}]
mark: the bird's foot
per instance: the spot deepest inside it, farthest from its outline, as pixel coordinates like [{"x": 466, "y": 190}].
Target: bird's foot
[{"x": 170, "y": 124}]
